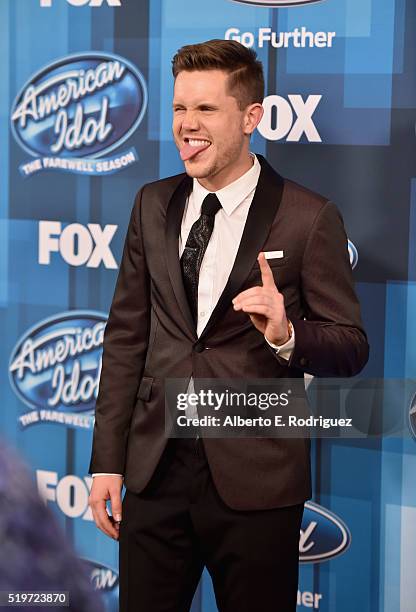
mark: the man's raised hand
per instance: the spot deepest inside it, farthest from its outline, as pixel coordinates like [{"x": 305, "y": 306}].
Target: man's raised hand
[{"x": 265, "y": 306}]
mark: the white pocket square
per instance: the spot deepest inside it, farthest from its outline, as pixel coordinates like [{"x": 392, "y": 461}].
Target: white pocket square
[{"x": 273, "y": 254}]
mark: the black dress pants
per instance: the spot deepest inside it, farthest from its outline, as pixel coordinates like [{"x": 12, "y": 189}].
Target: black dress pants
[{"x": 179, "y": 524}]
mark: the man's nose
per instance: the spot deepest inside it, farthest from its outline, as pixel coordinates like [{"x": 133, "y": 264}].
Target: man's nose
[{"x": 190, "y": 121}]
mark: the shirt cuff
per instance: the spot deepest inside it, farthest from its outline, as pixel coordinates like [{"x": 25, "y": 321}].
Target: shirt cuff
[
  {"x": 106, "y": 474},
  {"x": 284, "y": 350}
]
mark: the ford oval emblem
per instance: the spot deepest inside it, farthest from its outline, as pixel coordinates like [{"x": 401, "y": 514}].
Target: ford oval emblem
[
  {"x": 278, "y": 3},
  {"x": 323, "y": 535},
  {"x": 412, "y": 416},
  {"x": 56, "y": 364},
  {"x": 81, "y": 106},
  {"x": 353, "y": 253}
]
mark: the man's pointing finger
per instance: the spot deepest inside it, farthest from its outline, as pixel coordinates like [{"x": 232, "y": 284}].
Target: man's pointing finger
[{"x": 266, "y": 271}]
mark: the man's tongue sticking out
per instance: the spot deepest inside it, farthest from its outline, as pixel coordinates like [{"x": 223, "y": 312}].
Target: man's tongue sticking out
[{"x": 193, "y": 147}]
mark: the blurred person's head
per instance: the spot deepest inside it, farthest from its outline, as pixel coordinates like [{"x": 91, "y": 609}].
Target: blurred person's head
[{"x": 35, "y": 555}]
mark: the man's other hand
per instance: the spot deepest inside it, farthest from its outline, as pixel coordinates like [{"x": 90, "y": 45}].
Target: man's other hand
[{"x": 106, "y": 488}]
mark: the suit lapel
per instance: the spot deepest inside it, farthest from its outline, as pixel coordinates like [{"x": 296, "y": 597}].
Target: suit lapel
[
  {"x": 262, "y": 212},
  {"x": 174, "y": 215}
]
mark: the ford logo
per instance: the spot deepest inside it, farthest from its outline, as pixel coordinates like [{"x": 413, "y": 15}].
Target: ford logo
[
  {"x": 278, "y": 3},
  {"x": 412, "y": 416},
  {"x": 56, "y": 364},
  {"x": 102, "y": 578},
  {"x": 353, "y": 253},
  {"x": 322, "y": 536},
  {"x": 81, "y": 106}
]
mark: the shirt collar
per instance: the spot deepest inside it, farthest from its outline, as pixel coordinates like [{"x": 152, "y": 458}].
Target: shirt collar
[{"x": 233, "y": 194}]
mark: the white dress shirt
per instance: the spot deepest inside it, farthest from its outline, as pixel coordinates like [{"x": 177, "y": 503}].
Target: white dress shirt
[
  {"x": 222, "y": 247},
  {"x": 235, "y": 200}
]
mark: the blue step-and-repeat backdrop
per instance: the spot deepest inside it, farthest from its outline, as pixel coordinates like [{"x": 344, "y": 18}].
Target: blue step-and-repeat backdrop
[{"x": 85, "y": 105}]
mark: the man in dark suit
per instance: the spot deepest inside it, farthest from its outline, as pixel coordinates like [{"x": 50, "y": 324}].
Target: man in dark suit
[{"x": 228, "y": 271}]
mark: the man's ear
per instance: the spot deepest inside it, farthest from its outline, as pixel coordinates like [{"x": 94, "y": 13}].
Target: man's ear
[{"x": 252, "y": 117}]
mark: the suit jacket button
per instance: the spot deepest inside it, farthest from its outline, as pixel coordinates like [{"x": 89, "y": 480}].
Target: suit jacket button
[
  {"x": 303, "y": 361},
  {"x": 199, "y": 347}
]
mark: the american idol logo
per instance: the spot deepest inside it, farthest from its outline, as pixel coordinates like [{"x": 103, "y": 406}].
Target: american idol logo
[
  {"x": 77, "y": 110},
  {"x": 102, "y": 578},
  {"x": 323, "y": 535},
  {"x": 105, "y": 581},
  {"x": 55, "y": 368},
  {"x": 412, "y": 416},
  {"x": 278, "y": 3},
  {"x": 353, "y": 253}
]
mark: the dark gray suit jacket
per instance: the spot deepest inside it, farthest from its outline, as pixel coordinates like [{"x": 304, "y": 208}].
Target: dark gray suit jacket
[{"x": 150, "y": 335}]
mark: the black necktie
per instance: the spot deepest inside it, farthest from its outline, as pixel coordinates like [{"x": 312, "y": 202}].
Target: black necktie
[{"x": 195, "y": 248}]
